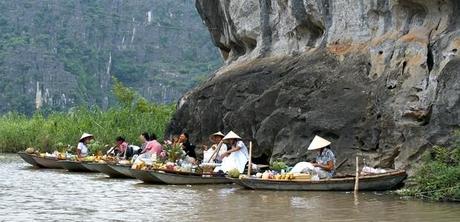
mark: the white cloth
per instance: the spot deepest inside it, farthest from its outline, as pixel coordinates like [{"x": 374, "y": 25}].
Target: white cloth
[
  {"x": 83, "y": 149},
  {"x": 236, "y": 159},
  {"x": 307, "y": 167},
  {"x": 302, "y": 167},
  {"x": 207, "y": 154}
]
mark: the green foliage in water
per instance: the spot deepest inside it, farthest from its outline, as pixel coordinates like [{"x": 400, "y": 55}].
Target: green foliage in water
[
  {"x": 439, "y": 176},
  {"x": 57, "y": 130}
]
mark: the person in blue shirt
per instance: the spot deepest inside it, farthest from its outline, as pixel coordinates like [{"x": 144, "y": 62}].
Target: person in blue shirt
[{"x": 325, "y": 159}]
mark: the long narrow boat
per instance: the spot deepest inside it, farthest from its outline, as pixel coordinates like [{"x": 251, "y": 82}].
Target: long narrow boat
[
  {"x": 28, "y": 159},
  {"x": 145, "y": 176},
  {"x": 105, "y": 169},
  {"x": 181, "y": 178},
  {"x": 377, "y": 182},
  {"x": 123, "y": 169},
  {"x": 74, "y": 166},
  {"x": 48, "y": 162}
]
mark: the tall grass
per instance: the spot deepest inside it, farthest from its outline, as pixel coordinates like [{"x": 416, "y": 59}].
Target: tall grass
[{"x": 133, "y": 116}]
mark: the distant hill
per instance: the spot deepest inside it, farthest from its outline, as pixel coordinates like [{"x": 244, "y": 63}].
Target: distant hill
[{"x": 59, "y": 54}]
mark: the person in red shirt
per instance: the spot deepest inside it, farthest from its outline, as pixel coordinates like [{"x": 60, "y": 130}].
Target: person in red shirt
[{"x": 121, "y": 147}]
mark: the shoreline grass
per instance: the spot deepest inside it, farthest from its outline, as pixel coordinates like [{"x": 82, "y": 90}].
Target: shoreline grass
[
  {"x": 133, "y": 115},
  {"x": 438, "y": 178}
]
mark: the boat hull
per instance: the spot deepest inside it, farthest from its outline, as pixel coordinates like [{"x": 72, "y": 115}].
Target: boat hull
[
  {"x": 74, "y": 166},
  {"x": 45, "y": 162},
  {"x": 145, "y": 176},
  {"x": 28, "y": 158},
  {"x": 105, "y": 169},
  {"x": 387, "y": 181},
  {"x": 123, "y": 169},
  {"x": 186, "y": 179}
]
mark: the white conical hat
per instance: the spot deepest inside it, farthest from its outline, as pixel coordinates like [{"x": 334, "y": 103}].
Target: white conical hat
[
  {"x": 85, "y": 135},
  {"x": 318, "y": 142},
  {"x": 231, "y": 135},
  {"x": 218, "y": 134}
]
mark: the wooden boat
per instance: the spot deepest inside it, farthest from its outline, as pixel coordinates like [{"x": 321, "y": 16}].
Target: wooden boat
[
  {"x": 105, "y": 169},
  {"x": 48, "y": 162},
  {"x": 181, "y": 178},
  {"x": 376, "y": 182},
  {"x": 74, "y": 166},
  {"x": 145, "y": 176},
  {"x": 28, "y": 159},
  {"x": 123, "y": 169}
]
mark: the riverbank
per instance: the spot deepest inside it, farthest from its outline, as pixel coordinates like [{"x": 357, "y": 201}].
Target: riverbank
[
  {"x": 57, "y": 130},
  {"x": 438, "y": 178}
]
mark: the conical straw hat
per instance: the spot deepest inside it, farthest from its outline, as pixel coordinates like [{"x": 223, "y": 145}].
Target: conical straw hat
[
  {"x": 216, "y": 134},
  {"x": 85, "y": 135},
  {"x": 231, "y": 135},
  {"x": 318, "y": 142}
]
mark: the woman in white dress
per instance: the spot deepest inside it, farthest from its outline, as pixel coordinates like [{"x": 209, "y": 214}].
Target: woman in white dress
[
  {"x": 82, "y": 149},
  {"x": 237, "y": 156},
  {"x": 218, "y": 148}
]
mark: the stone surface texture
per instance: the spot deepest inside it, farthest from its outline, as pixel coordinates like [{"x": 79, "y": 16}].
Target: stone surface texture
[{"x": 379, "y": 78}]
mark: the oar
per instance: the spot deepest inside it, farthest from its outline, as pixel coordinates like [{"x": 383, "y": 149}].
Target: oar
[
  {"x": 216, "y": 152},
  {"x": 341, "y": 164}
]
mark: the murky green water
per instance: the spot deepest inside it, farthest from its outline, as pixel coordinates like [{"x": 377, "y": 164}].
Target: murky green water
[{"x": 29, "y": 194}]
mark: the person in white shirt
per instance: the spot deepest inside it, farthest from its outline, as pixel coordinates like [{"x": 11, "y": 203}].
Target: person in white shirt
[
  {"x": 218, "y": 148},
  {"x": 82, "y": 149},
  {"x": 237, "y": 156}
]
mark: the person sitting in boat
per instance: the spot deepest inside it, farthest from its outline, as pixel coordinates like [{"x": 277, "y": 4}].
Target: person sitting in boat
[
  {"x": 236, "y": 157},
  {"x": 152, "y": 146},
  {"x": 82, "y": 149},
  {"x": 123, "y": 150},
  {"x": 324, "y": 165},
  {"x": 188, "y": 147},
  {"x": 144, "y": 138},
  {"x": 218, "y": 148}
]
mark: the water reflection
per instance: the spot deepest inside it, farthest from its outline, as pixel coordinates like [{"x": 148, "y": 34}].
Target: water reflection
[{"x": 28, "y": 194}]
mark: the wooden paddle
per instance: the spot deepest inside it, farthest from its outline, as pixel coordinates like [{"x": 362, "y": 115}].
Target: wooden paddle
[
  {"x": 341, "y": 164},
  {"x": 214, "y": 155}
]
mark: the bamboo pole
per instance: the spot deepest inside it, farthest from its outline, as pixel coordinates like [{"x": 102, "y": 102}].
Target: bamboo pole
[
  {"x": 357, "y": 175},
  {"x": 250, "y": 159}
]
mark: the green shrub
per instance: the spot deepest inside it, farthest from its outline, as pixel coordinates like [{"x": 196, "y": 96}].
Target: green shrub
[
  {"x": 439, "y": 176},
  {"x": 58, "y": 130}
]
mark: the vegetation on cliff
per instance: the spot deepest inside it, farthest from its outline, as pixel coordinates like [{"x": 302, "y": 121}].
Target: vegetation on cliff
[
  {"x": 438, "y": 178},
  {"x": 133, "y": 115}
]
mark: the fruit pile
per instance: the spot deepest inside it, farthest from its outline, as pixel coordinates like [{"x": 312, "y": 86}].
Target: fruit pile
[{"x": 273, "y": 175}]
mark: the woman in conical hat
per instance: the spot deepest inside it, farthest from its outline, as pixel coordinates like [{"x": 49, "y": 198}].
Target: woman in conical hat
[
  {"x": 237, "y": 156},
  {"x": 325, "y": 159},
  {"x": 324, "y": 165},
  {"x": 218, "y": 148},
  {"x": 82, "y": 149}
]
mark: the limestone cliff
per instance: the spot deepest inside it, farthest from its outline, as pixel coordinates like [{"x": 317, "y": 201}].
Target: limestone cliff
[{"x": 377, "y": 77}]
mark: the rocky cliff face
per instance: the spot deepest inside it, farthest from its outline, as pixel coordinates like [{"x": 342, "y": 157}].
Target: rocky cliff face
[{"x": 380, "y": 77}]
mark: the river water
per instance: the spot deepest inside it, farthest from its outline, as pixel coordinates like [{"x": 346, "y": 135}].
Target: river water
[{"x": 29, "y": 194}]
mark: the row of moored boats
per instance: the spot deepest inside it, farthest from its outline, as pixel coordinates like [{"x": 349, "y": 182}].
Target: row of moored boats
[{"x": 384, "y": 181}]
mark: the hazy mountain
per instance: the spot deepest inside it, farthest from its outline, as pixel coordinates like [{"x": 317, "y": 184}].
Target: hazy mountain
[{"x": 59, "y": 54}]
